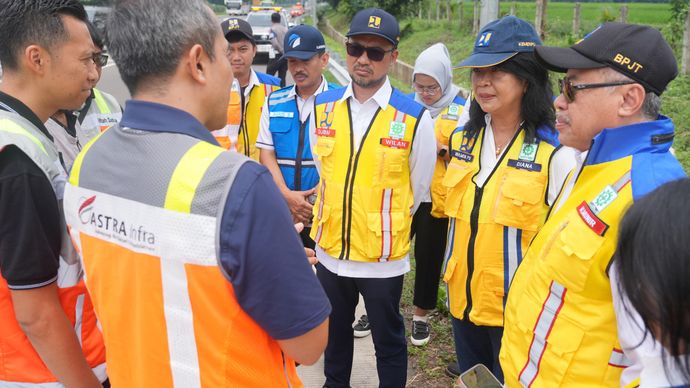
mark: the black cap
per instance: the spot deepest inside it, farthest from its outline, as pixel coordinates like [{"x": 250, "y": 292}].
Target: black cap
[
  {"x": 303, "y": 42},
  {"x": 375, "y": 21},
  {"x": 234, "y": 26},
  {"x": 637, "y": 51}
]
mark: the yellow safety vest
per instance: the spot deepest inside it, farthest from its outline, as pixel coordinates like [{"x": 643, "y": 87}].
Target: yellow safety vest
[
  {"x": 445, "y": 124},
  {"x": 363, "y": 209},
  {"x": 491, "y": 226},
  {"x": 249, "y": 128}
]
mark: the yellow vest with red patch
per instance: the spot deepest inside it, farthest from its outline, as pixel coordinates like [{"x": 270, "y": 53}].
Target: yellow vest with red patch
[
  {"x": 560, "y": 324},
  {"x": 490, "y": 226},
  {"x": 363, "y": 209}
]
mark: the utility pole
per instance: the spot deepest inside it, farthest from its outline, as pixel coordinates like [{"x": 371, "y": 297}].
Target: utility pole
[
  {"x": 488, "y": 13},
  {"x": 314, "y": 21}
]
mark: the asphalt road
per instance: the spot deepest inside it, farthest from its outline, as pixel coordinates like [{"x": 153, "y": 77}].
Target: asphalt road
[{"x": 112, "y": 83}]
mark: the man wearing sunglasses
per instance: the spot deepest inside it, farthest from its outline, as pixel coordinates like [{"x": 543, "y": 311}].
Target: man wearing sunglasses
[
  {"x": 101, "y": 110},
  {"x": 375, "y": 152},
  {"x": 564, "y": 319}
]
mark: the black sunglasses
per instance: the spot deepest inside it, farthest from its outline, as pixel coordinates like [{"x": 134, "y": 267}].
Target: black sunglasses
[
  {"x": 568, "y": 89},
  {"x": 376, "y": 54},
  {"x": 100, "y": 59}
]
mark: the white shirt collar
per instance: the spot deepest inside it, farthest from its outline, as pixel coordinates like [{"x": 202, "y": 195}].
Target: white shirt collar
[
  {"x": 253, "y": 81},
  {"x": 322, "y": 88},
  {"x": 381, "y": 97}
]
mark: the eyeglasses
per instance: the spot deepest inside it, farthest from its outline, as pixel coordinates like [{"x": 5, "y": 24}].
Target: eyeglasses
[
  {"x": 100, "y": 59},
  {"x": 376, "y": 54},
  {"x": 568, "y": 89},
  {"x": 428, "y": 90}
]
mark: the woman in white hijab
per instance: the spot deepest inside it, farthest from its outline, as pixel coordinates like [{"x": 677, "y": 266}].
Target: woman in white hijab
[{"x": 433, "y": 85}]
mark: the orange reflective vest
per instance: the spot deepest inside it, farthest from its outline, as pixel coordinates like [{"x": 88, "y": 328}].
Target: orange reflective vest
[
  {"x": 150, "y": 251},
  {"x": 19, "y": 362}
]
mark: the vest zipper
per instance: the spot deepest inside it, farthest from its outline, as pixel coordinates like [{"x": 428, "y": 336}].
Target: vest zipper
[
  {"x": 298, "y": 158},
  {"x": 474, "y": 225},
  {"x": 243, "y": 126},
  {"x": 349, "y": 184}
]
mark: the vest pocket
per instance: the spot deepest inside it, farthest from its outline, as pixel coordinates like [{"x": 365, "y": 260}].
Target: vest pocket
[
  {"x": 324, "y": 148},
  {"x": 571, "y": 254},
  {"x": 554, "y": 341},
  {"x": 488, "y": 296},
  {"x": 383, "y": 229},
  {"x": 456, "y": 180},
  {"x": 520, "y": 200},
  {"x": 325, "y": 237},
  {"x": 389, "y": 167}
]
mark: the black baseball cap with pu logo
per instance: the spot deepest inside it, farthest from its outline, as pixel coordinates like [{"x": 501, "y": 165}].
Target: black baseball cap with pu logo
[{"x": 634, "y": 50}]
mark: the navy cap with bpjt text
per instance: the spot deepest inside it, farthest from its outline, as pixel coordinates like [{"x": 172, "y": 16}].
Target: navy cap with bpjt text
[
  {"x": 375, "y": 21},
  {"x": 235, "y": 26},
  {"x": 303, "y": 42},
  {"x": 501, "y": 40},
  {"x": 636, "y": 51}
]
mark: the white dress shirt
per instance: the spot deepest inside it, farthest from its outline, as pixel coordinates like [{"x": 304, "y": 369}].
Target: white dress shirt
[
  {"x": 265, "y": 139},
  {"x": 422, "y": 161}
]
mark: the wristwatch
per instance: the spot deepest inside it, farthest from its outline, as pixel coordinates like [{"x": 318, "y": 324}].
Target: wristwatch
[{"x": 442, "y": 152}]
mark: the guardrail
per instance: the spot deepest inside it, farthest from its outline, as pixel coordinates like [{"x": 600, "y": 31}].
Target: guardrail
[{"x": 339, "y": 72}]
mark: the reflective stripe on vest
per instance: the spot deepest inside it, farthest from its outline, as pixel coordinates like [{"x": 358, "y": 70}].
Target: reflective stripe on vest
[
  {"x": 291, "y": 141},
  {"x": 444, "y": 126},
  {"x": 21, "y": 364},
  {"x": 371, "y": 182},
  {"x": 100, "y": 101},
  {"x": 162, "y": 236},
  {"x": 549, "y": 312},
  {"x": 494, "y": 222},
  {"x": 572, "y": 250}
]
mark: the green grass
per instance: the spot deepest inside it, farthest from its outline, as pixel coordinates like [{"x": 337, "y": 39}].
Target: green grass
[{"x": 418, "y": 34}]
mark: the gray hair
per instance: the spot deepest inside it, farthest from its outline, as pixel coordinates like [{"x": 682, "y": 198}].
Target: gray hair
[
  {"x": 147, "y": 38},
  {"x": 651, "y": 106}
]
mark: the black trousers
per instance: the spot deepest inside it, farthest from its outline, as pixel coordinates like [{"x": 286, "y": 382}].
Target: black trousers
[
  {"x": 429, "y": 248},
  {"x": 277, "y": 65},
  {"x": 382, "y": 301}
]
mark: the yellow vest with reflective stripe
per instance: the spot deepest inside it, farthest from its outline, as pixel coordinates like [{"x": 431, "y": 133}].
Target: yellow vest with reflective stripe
[
  {"x": 183, "y": 325},
  {"x": 491, "y": 226},
  {"x": 249, "y": 129},
  {"x": 444, "y": 127},
  {"x": 560, "y": 322},
  {"x": 234, "y": 120},
  {"x": 363, "y": 209}
]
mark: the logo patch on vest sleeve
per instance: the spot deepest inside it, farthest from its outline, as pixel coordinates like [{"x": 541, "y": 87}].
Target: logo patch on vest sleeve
[
  {"x": 467, "y": 157},
  {"x": 524, "y": 165},
  {"x": 395, "y": 143},
  {"x": 327, "y": 132},
  {"x": 592, "y": 220}
]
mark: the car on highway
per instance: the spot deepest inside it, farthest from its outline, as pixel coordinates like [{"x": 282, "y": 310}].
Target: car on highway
[
  {"x": 236, "y": 7},
  {"x": 297, "y": 10},
  {"x": 261, "y": 25}
]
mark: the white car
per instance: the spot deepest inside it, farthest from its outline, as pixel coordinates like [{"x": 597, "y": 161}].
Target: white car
[{"x": 261, "y": 25}]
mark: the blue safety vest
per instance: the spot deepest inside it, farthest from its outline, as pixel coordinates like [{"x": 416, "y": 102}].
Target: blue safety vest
[{"x": 291, "y": 140}]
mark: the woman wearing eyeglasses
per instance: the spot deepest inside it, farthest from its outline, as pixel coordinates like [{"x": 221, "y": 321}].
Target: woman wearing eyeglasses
[
  {"x": 505, "y": 170},
  {"x": 433, "y": 85}
]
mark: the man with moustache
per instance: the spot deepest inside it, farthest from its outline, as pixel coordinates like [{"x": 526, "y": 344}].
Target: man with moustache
[
  {"x": 375, "y": 152},
  {"x": 565, "y": 322},
  {"x": 48, "y": 331},
  {"x": 283, "y": 138},
  {"x": 183, "y": 234}
]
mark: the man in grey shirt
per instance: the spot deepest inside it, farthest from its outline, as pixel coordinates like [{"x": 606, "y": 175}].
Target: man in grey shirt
[{"x": 277, "y": 64}]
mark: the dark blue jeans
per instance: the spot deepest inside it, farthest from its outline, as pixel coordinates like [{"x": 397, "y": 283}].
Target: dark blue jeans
[
  {"x": 382, "y": 301},
  {"x": 477, "y": 345}
]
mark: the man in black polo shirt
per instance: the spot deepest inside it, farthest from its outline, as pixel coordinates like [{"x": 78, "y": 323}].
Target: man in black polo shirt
[{"x": 49, "y": 333}]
